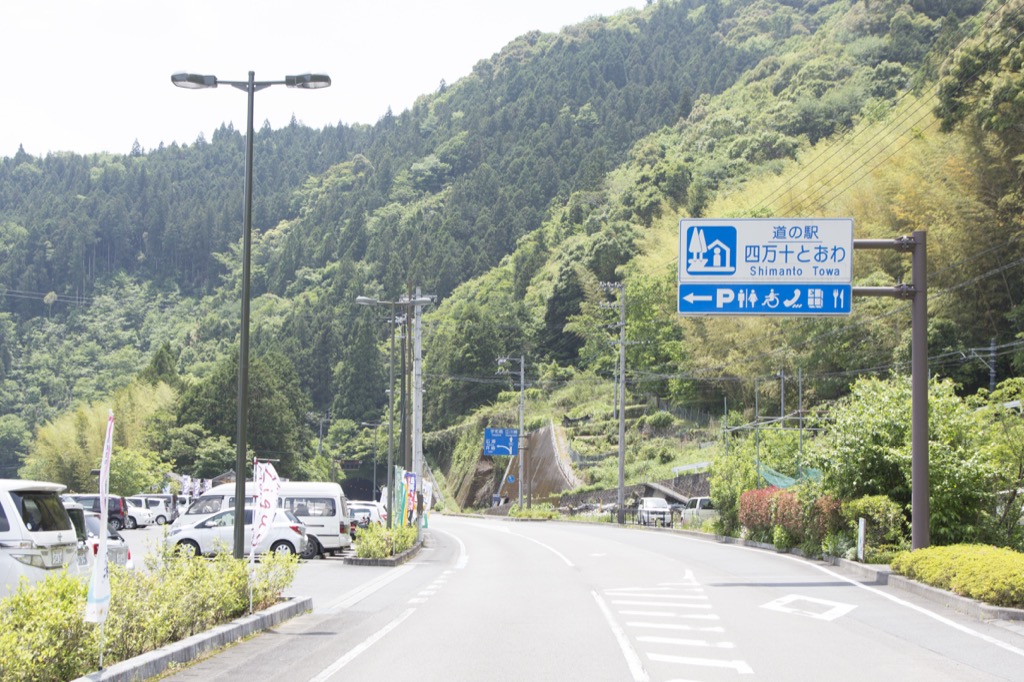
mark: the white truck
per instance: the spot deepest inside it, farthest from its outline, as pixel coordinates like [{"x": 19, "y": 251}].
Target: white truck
[
  {"x": 697, "y": 511},
  {"x": 652, "y": 511}
]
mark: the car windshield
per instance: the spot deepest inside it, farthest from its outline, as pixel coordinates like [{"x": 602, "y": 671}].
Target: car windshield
[
  {"x": 656, "y": 502},
  {"x": 41, "y": 510}
]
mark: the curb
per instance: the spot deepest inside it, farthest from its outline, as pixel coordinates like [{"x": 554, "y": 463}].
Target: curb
[{"x": 187, "y": 650}]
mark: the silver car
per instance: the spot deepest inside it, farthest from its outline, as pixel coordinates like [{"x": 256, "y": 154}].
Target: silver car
[{"x": 216, "y": 534}]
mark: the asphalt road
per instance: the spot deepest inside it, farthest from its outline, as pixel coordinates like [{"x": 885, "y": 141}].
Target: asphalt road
[{"x": 492, "y": 599}]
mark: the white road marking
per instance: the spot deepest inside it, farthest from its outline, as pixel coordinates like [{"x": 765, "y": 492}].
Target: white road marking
[
  {"x": 686, "y": 642},
  {"x": 834, "y": 609},
  {"x": 636, "y": 666},
  {"x": 740, "y": 667},
  {"x": 675, "y": 626},
  {"x": 500, "y": 529},
  {"x": 463, "y": 554},
  {"x": 629, "y": 602},
  {"x": 363, "y": 591},
  {"x": 326, "y": 673},
  {"x": 902, "y": 602}
]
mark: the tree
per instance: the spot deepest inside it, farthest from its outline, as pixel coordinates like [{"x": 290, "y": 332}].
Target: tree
[
  {"x": 867, "y": 452},
  {"x": 277, "y": 407}
]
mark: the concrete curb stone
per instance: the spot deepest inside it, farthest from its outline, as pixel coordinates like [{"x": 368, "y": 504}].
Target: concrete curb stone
[{"x": 187, "y": 650}]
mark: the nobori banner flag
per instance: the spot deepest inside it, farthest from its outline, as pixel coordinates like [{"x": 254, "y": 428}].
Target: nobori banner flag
[
  {"x": 98, "y": 602},
  {"x": 268, "y": 485}
]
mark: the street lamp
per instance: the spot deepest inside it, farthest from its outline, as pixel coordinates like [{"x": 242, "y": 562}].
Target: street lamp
[
  {"x": 194, "y": 81},
  {"x": 404, "y": 301}
]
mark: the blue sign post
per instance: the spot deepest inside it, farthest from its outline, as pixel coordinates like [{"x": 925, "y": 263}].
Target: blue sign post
[
  {"x": 501, "y": 442},
  {"x": 766, "y": 266}
]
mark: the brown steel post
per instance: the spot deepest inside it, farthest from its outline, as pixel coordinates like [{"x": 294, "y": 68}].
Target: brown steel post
[{"x": 920, "y": 508}]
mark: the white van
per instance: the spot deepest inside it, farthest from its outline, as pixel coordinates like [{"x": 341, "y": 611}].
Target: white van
[
  {"x": 37, "y": 537},
  {"x": 321, "y": 507}
]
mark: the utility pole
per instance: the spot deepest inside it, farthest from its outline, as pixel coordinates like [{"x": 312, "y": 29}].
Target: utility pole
[
  {"x": 521, "y": 452},
  {"x": 417, "y": 386},
  {"x": 522, "y": 434},
  {"x": 621, "y": 396}
]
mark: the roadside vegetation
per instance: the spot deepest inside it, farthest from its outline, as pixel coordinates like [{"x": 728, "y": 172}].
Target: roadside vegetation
[
  {"x": 380, "y": 542},
  {"x": 43, "y": 636}
]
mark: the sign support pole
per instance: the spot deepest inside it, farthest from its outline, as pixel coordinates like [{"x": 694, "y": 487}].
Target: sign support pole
[{"x": 920, "y": 505}]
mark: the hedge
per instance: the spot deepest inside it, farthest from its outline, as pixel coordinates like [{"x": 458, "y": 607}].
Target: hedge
[
  {"x": 989, "y": 574},
  {"x": 44, "y": 637}
]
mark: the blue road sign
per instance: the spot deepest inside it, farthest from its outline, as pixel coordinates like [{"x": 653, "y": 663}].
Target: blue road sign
[
  {"x": 765, "y": 266},
  {"x": 501, "y": 442},
  {"x": 764, "y": 299}
]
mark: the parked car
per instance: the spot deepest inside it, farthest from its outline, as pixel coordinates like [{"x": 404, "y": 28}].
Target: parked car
[
  {"x": 118, "y": 551},
  {"x": 170, "y": 501},
  {"x": 216, "y": 534},
  {"x": 319, "y": 505},
  {"x": 117, "y": 508},
  {"x": 698, "y": 510},
  {"x": 217, "y": 499},
  {"x": 160, "y": 507},
  {"x": 366, "y": 512},
  {"x": 652, "y": 511},
  {"x": 139, "y": 513},
  {"x": 37, "y": 537}
]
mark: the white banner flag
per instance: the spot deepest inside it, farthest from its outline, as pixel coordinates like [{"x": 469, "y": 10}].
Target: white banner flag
[
  {"x": 98, "y": 603},
  {"x": 267, "y": 487}
]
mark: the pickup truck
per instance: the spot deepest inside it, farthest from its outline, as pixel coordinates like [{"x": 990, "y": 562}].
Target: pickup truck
[
  {"x": 697, "y": 511},
  {"x": 653, "y": 510}
]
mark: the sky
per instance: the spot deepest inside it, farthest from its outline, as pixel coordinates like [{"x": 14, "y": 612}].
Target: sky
[{"x": 94, "y": 75}]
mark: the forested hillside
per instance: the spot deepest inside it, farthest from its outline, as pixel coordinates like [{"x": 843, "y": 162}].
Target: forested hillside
[{"x": 563, "y": 161}]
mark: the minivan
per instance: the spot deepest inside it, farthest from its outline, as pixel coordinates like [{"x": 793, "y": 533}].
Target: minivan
[
  {"x": 37, "y": 537},
  {"x": 117, "y": 508},
  {"x": 320, "y": 506}
]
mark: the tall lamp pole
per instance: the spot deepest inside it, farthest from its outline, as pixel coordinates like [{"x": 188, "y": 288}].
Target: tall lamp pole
[{"x": 194, "y": 81}]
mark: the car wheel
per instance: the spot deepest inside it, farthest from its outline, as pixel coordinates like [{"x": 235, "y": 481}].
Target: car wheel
[
  {"x": 282, "y": 547},
  {"x": 188, "y": 548},
  {"x": 161, "y": 520},
  {"x": 312, "y": 549},
  {"x": 116, "y": 523},
  {"x": 130, "y": 523}
]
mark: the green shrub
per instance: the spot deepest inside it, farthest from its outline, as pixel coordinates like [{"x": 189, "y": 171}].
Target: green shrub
[
  {"x": 380, "y": 542},
  {"x": 537, "y": 511},
  {"x": 42, "y": 632},
  {"x": 989, "y": 574},
  {"x": 43, "y": 635},
  {"x": 782, "y": 538},
  {"x": 660, "y": 420},
  {"x": 885, "y": 521},
  {"x": 836, "y": 544}
]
